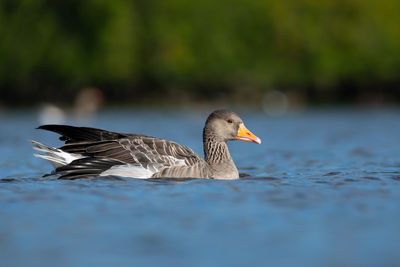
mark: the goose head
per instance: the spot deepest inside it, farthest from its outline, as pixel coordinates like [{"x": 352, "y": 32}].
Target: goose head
[{"x": 225, "y": 125}]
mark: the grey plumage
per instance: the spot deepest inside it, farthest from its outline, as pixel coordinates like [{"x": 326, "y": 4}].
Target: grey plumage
[{"x": 100, "y": 152}]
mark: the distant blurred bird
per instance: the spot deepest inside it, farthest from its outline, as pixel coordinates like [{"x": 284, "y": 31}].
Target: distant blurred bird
[
  {"x": 92, "y": 152},
  {"x": 87, "y": 102}
]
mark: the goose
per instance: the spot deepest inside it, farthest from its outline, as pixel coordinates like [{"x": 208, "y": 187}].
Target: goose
[{"x": 90, "y": 152}]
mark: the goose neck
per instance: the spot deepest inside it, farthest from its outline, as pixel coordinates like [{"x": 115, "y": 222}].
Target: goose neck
[{"x": 216, "y": 151}]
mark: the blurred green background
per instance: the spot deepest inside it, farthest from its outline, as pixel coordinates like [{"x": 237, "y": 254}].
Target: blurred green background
[{"x": 147, "y": 51}]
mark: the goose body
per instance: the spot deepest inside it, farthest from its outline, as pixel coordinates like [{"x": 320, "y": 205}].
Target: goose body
[{"x": 90, "y": 152}]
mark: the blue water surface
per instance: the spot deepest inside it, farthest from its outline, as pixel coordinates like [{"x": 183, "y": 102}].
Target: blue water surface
[{"x": 323, "y": 189}]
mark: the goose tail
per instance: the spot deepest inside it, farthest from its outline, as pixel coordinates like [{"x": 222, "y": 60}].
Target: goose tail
[{"x": 56, "y": 156}]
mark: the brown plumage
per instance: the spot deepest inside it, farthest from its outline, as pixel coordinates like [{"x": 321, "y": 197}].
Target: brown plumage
[{"x": 89, "y": 152}]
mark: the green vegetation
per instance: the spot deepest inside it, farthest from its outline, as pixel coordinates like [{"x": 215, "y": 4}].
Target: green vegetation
[{"x": 147, "y": 47}]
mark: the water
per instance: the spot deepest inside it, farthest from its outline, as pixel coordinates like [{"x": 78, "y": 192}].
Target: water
[{"x": 321, "y": 190}]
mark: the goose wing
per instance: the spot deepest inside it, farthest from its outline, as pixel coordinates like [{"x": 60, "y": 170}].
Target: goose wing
[
  {"x": 146, "y": 151},
  {"x": 137, "y": 154}
]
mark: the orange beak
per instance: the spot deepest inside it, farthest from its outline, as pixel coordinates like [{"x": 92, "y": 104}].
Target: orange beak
[{"x": 245, "y": 135}]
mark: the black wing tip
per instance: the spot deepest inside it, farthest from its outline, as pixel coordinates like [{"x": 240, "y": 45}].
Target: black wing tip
[
  {"x": 42, "y": 127},
  {"x": 71, "y": 133},
  {"x": 50, "y": 127}
]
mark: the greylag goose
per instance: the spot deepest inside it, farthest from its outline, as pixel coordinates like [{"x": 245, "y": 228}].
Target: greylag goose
[{"x": 90, "y": 152}]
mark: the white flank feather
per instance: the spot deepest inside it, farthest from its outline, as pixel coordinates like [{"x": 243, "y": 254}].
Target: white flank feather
[
  {"x": 134, "y": 171},
  {"x": 130, "y": 171}
]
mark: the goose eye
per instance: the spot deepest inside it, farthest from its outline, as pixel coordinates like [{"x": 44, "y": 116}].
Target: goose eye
[{"x": 229, "y": 121}]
